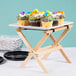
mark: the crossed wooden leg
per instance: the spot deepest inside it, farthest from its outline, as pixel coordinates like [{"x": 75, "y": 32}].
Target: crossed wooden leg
[
  {"x": 26, "y": 60},
  {"x": 33, "y": 51},
  {"x": 56, "y": 42}
]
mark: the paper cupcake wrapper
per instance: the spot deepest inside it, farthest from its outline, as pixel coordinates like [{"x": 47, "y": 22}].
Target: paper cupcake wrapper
[
  {"x": 61, "y": 21},
  {"x": 46, "y": 24},
  {"x": 23, "y": 22}
]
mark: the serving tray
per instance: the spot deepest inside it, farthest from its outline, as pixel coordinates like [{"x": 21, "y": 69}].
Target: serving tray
[{"x": 40, "y": 28}]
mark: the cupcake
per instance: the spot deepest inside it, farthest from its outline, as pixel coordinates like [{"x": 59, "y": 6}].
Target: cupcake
[
  {"x": 34, "y": 21},
  {"x": 61, "y": 17},
  {"x": 55, "y": 18},
  {"x": 23, "y": 19},
  {"x": 46, "y": 21},
  {"x": 35, "y": 18}
]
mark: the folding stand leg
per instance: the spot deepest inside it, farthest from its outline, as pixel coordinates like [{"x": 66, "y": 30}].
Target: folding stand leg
[
  {"x": 40, "y": 63},
  {"x": 56, "y": 42},
  {"x": 33, "y": 53},
  {"x": 65, "y": 56},
  {"x": 26, "y": 60}
]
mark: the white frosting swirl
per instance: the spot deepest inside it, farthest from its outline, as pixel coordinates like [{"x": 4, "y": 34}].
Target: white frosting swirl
[{"x": 22, "y": 15}]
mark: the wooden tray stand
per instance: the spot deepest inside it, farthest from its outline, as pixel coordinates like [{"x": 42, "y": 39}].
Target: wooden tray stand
[{"x": 37, "y": 51}]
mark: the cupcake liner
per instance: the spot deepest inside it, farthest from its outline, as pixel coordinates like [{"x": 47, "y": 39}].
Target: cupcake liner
[
  {"x": 23, "y": 22},
  {"x": 46, "y": 24}
]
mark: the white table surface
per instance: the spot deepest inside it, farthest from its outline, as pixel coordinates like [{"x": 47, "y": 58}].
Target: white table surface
[{"x": 40, "y": 28}]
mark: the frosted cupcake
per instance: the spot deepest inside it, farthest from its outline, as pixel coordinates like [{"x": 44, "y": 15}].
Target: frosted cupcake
[
  {"x": 46, "y": 21},
  {"x": 61, "y": 17},
  {"x": 23, "y": 19},
  {"x": 34, "y": 21},
  {"x": 35, "y": 18},
  {"x": 55, "y": 18}
]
